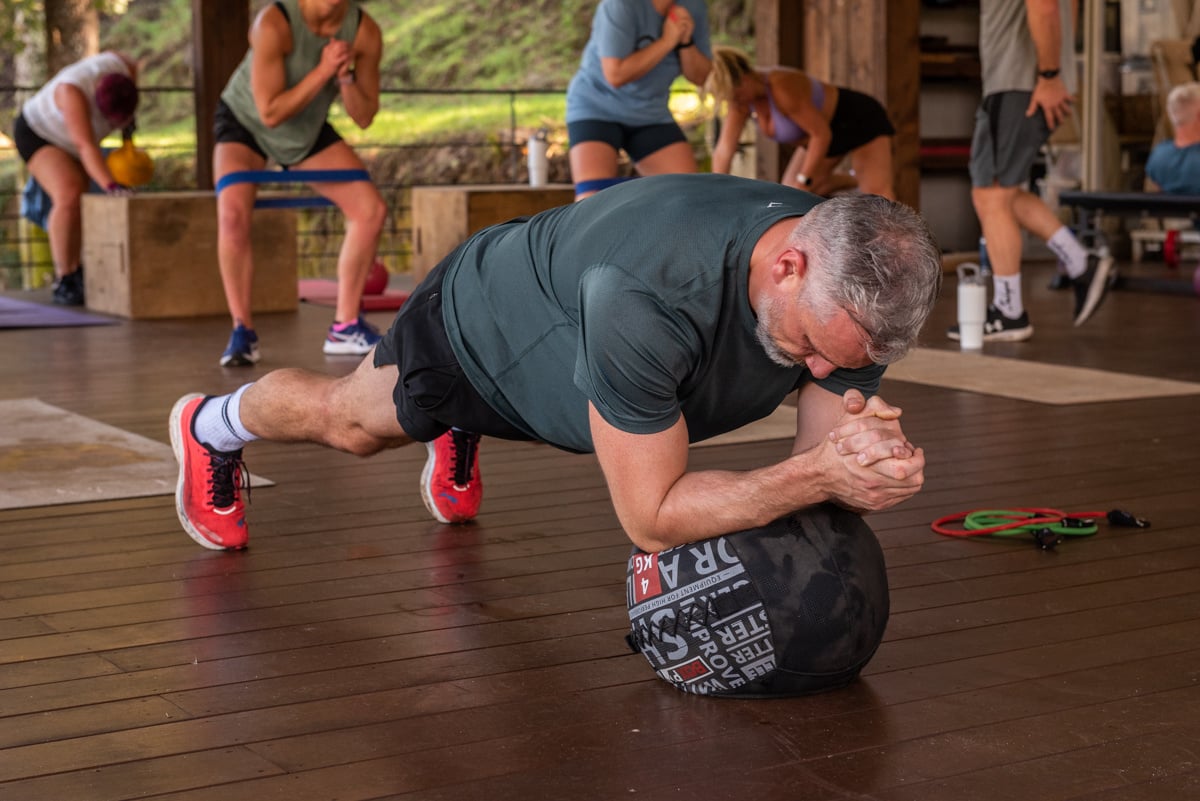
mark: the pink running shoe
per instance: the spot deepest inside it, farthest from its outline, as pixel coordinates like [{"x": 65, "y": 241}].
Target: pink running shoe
[
  {"x": 208, "y": 497},
  {"x": 450, "y": 483}
]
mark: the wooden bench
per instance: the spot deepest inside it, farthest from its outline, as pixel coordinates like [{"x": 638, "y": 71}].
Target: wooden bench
[
  {"x": 443, "y": 217},
  {"x": 154, "y": 255}
]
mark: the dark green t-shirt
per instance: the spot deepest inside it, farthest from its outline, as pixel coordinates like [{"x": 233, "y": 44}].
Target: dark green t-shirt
[{"x": 635, "y": 299}]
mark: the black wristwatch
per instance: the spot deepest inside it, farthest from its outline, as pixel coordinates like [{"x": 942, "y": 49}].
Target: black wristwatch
[
  {"x": 1048, "y": 74},
  {"x": 685, "y": 45}
]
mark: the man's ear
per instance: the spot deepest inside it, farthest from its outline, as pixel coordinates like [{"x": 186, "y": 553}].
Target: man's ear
[{"x": 790, "y": 266}]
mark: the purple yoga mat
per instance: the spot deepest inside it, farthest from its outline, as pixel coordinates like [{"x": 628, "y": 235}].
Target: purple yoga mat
[{"x": 21, "y": 314}]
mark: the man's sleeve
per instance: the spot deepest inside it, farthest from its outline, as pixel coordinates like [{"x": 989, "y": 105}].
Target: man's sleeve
[
  {"x": 864, "y": 379},
  {"x": 633, "y": 353}
]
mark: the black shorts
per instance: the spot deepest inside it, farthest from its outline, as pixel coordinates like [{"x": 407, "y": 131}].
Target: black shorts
[
  {"x": 26, "y": 140},
  {"x": 432, "y": 393},
  {"x": 857, "y": 120},
  {"x": 637, "y": 141},
  {"x": 227, "y": 128}
]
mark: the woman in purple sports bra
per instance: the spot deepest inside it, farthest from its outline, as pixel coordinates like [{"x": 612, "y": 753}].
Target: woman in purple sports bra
[{"x": 826, "y": 122}]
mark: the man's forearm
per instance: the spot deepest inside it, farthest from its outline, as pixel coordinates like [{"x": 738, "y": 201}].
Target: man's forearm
[
  {"x": 709, "y": 503},
  {"x": 1045, "y": 27}
]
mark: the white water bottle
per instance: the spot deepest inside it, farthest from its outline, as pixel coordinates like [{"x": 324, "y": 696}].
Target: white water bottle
[
  {"x": 539, "y": 164},
  {"x": 972, "y": 306}
]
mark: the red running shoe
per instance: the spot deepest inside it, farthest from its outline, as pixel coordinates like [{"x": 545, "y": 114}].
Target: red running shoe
[
  {"x": 208, "y": 497},
  {"x": 450, "y": 483}
]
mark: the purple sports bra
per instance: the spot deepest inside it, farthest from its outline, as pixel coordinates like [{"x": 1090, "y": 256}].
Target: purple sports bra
[{"x": 786, "y": 130}]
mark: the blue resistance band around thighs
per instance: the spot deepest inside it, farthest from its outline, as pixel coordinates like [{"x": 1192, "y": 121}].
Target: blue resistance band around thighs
[
  {"x": 290, "y": 177},
  {"x": 596, "y": 184}
]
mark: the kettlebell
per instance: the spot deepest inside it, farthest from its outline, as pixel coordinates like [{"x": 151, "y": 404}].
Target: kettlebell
[{"x": 129, "y": 165}]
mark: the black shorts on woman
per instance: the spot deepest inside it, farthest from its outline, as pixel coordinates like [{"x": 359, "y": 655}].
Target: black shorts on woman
[
  {"x": 857, "y": 120},
  {"x": 227, "y": 128}
]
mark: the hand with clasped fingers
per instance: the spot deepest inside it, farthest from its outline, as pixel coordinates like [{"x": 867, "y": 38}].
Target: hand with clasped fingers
[{"x": 870, "y": 463}]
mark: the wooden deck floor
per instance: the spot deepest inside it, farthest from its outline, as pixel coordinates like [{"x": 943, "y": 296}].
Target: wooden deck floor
[{"x": 360, "y": 651}]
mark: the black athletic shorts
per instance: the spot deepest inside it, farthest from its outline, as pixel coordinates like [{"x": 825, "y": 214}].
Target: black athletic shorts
[
  {"x": 26, "y": 140},
  {"x": 638, "y": 141},
  {"x": 227, "y": 128},
  {"x": 857, "y": 119},
  {"x": 432, "y": 394}
]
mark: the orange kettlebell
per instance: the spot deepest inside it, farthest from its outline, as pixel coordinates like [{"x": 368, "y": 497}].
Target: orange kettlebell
[{"x": 129, "y": 165}]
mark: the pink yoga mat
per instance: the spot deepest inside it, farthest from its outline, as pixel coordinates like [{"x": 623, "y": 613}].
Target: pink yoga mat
[{"x": 323, "y": 292}]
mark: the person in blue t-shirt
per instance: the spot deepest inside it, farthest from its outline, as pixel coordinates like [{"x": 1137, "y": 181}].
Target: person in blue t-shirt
[
  {"x": 618, "y": 99},
  {"x": 1174, "y": 166}
]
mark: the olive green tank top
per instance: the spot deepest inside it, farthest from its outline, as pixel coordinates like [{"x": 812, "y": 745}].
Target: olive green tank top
[{"x": 291, "y": 140}]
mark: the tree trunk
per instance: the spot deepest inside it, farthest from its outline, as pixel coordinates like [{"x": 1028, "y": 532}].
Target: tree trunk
[{"x": 72, "y": 32}]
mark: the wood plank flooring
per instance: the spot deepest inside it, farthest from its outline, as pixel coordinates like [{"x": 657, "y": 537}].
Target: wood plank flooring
[{"x": 360, "y": 651}]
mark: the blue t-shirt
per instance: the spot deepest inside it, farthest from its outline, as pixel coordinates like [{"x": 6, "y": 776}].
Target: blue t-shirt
[
  {"x": 620, "y": 28},
  {"x": 635, "y": 299},
  {"x": 1175, "y": 169}
]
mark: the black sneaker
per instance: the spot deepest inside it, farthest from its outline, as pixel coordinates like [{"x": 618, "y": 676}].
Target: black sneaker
[
  {"x": 1092, "y": 287},
  {"x": 68, "y": 290},
  {"x": 999, "y": 328}
]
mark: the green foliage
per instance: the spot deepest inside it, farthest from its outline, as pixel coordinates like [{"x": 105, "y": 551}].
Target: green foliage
[
  {"x": 30, "y": 13},
  {"x": 430, "y": 46}
]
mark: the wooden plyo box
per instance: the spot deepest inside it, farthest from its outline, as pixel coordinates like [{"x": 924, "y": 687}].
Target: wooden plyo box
[
  {"x": 444, "y": 216},
  {"x": 155, "y": 255}
]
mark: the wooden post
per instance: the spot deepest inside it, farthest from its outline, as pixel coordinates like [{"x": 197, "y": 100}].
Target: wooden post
[
  {"x": 779, "y": 39},
  {"x": 219, "y": 40}
]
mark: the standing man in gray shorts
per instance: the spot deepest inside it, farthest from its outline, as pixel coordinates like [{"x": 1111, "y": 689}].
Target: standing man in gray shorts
[{"x": 1028, "y": 58}]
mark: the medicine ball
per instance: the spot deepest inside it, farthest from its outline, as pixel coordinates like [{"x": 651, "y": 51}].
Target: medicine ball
[{"x": 794, "y": 607}]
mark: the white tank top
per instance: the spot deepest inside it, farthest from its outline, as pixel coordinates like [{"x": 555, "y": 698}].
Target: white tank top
[{"x": 44, "y": 116}]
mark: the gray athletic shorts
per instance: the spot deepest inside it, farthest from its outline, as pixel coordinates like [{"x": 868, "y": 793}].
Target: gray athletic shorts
[{"x": 1006, "y": 142}]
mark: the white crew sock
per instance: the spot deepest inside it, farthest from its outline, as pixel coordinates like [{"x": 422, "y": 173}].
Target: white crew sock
[
  {"x": 218, "y": 424},
  {"x": 1074, "y": 256},
  {"x": 1006, "y": 295}
]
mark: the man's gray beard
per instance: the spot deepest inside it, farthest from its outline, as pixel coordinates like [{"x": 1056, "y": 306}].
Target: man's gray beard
[{"x": 762, "y": 331}]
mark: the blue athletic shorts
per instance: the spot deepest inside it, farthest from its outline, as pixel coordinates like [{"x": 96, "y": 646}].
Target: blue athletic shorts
[{"x": 637, "y": 141}]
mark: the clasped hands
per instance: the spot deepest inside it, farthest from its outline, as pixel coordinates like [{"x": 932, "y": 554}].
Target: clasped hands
[
  {"x": 679, "y": 25},
  {"x": 337, "y": 57},
  {"x": 870, "y": 464}
]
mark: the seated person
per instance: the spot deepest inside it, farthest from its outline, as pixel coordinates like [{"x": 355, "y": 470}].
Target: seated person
[
  {"x": 826, "y": 123},
  {"x": 1174, "y": 166}
]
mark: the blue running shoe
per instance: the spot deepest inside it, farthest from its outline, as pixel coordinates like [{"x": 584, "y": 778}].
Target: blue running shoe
[
  {"x": 242, "y": 350},
  {"x": 353, "y": 339}
]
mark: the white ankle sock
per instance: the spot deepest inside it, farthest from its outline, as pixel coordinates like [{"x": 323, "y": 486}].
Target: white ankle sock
[
  {"x": 1072, "y": 254},
  {"x": 1006, "y": 295},
  {"x": 218, "y": 424}
]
